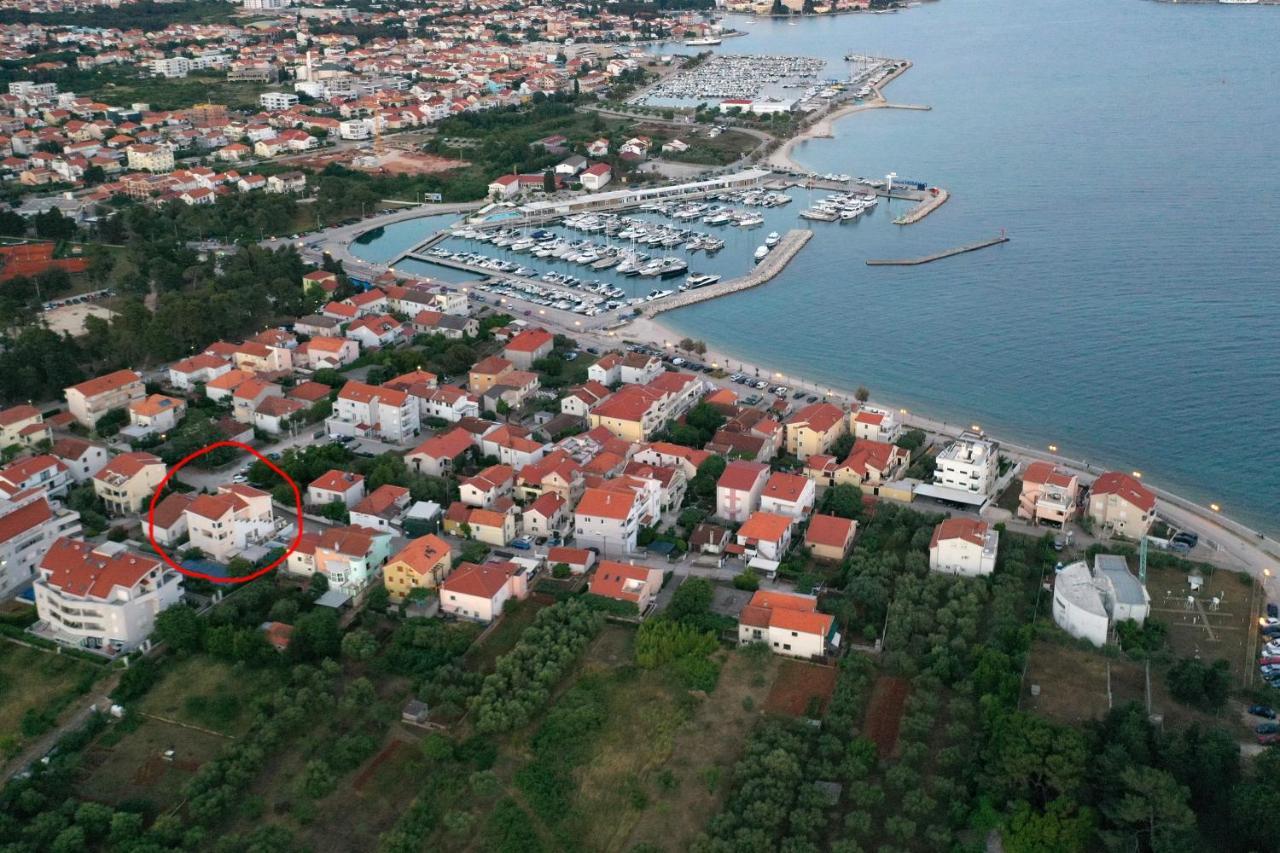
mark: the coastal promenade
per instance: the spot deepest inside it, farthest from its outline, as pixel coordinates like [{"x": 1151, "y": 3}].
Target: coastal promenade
[{"x": 773, "y": 263}]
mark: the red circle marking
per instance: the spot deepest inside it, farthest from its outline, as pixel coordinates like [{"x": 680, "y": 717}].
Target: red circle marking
[{"x": 151, "y": 515}]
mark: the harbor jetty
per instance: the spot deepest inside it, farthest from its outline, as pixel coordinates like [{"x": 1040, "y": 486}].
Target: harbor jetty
[
  {"x": 773, "y": 263},
  {"x": 928, "y": 205},
  {"x": 936, "y": 256}
]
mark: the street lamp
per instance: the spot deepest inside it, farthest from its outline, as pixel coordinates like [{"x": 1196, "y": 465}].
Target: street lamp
[
  {"x": 1053, "y": 448},
  {"x": 975, "y": 428},
  {"x": 1137, "y": 475},
  {"x": 1215, "y": 507}
]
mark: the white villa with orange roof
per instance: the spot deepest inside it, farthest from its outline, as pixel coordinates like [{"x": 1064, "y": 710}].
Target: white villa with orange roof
[
  {"x": 1119, "y": 504},
  {"x": 127, "y": 482},
  {"x": 224, "y": 524},
  {"x": 334, "y": 485},
  {"x": 608, "y": 520},
  {"x": 788, "y": 494},
  {"x": 789, "y": 624},
  {"x": 872, "y": 423},
  {"x": 1048, "y": 494},
  {"x": 964, "y": 546},
  {"x": 371, "y": 410},
  {"x": 626, "y": 582},
  {"x": 479, "y": 592}
]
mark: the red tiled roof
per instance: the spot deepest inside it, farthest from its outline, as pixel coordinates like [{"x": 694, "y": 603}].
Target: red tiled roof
[
  {"x": 969, "y": 529},
  {"x": 76, "y": 570},
  {"x": 603, "y": 503},
  {"x": 741, "y": 475},
  {"x": 1127, "y": 487},
  {"x": 128, "y": 465},
  {"x": 765, "y": 527},
  {"x": 334, "y": 480},
  {"x": 424, "y": 553},
  {"x": 103, "y": 384},
  {"x": 449, "y": 445},
  {"x": 481, "y": 581},
  {"x": 817, "y": 416},
  {"x": 530, "y": 340},
  {"x": 569, "y": 556},
  {"x": 611, "y": 578},
  {"x": 786, "y": 611},
  {"x": 24, "y": 518},
  {"x": 830, "y": 530},
  {"x": 785, "y": 487}
]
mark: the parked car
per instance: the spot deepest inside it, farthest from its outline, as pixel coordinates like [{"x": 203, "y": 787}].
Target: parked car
[
  {"x": 521, "y": 544},
  {"x": 1267, "y": 728},
  {"x": 1263, "y": 711},
  {"x": 1269, "y": 740},
  {"x": 1269, "y": 621}
]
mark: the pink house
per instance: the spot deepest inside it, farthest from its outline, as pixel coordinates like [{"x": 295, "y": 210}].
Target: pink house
[{"x": 1048, "y": 494}]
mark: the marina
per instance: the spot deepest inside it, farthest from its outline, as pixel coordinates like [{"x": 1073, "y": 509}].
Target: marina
[{"x": 773, "y": 263}]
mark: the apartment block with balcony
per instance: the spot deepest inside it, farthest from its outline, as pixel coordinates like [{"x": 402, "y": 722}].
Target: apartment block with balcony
[
  {"x": 28, "y": 528},
  {"x": 90, "y": 400},
  {"x": 104, "y": 598},
  {"x": 127, "y": 482}
]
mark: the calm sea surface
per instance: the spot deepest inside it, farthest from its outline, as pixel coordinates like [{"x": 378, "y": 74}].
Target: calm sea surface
[{"x": 1129, "y": 148}]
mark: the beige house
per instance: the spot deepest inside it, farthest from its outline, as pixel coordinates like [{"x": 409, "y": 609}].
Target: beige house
[
  {"x": 633, "y": 413},
  {"x": 830, "y": 537},
  {"x": 23, "y": 425},
  {"x": 1119, "y": 504},
  {"x": 127, "y": 482},
  {"x": 90, "y": 400},
  {"x": 487, "y": 373},
  {"x": 155, "y": 414},
  {"x": 814, "y": 429}
]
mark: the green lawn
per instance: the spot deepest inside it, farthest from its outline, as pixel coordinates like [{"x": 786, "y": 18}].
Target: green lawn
[
  {"x": 133, "y": 766},
  {"x": 34, "y": 679},
  {"x": 208, "y": 693}
]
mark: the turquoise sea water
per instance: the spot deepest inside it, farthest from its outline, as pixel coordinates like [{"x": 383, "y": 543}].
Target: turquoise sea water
[{"x": 1129, "y": 149}]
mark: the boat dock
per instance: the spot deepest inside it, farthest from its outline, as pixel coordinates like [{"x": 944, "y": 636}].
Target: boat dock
[
  {"x": 927, "y": 205},
  {"x": 774, "y": 263},
  {"x": 937, "y": 256}
]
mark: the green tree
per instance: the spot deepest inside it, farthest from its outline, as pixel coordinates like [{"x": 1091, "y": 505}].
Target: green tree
[
  {"x": 316, "y": 635},
  {"x": 1062, "y": 827},
  {"x": 843, "y": 500},
  {"x": 180, "y": 628},
  {"x": 359, "y": 645},
  {"x": 1152, "y": 813},
  {"x": 691, "y": 600}
]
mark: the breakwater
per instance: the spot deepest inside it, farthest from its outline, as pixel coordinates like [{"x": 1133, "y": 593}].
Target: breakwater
[
  {"x": 936, "y": 256},
  {"x": 774, "y": 263}
]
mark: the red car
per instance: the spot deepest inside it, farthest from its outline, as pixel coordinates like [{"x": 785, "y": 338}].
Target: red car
[
  {"x": 1269, "y": 740},
  {"x": 1269, "y": 661}
]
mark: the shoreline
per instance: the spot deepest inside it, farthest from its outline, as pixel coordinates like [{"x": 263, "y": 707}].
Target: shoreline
[{"x": 1251, "y": 550}]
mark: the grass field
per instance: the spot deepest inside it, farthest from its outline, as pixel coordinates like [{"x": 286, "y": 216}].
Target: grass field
[
  {"x": 133, "y": 767},
  {"x": 1202, "y": 629},
  {"x": 30, "y": 678},
  {"x": 204, "y": 692}
]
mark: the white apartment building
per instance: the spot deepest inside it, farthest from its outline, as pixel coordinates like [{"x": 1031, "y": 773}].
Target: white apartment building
[
  {"x": 28, "y": 528},
  {"x": 871, "y": 423},
  {"x": 370, "y": 410},
  {"x": 90, "y": 400},
  {"x": 608, "y": 520},
  {"x": 171, "y": 66},
  {"x": 278, "y": 100},
  {"x": 104, "y": 598},
  {"x": 966, "y": 471}
]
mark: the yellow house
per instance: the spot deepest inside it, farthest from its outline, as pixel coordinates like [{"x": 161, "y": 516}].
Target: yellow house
[
  {"x": 813, "y": 429},
  {"x": 633, "y": 413},
  {"x": 422, "y": 564},
  {"x": 127, "y": 482}
]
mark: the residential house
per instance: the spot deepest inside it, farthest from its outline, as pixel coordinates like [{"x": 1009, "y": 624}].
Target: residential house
[
  {"x": 104, "y": 597},
  {"x": 326, "y": 352},
  {"x": 29, "y": 525},
  {"x": 527, "y": 347},
  {"x": 363, "y": 410},
  {"x": 628, "y": 582},
  {"x": 224, "y": 387},
  {"x": 46, "y": 473},
  {"x": 488, "y": 372},
  {"x": 547, "y": 516},
  {"x": 421, "y": 564},
  {"x": 333, "y": 485},
  {"x": 480, "y": 592},
  {"x": 829, "y": 537},
  {"x": 579, "y": 560},
  {"x": 154, "y": 415},
  {"x": 738, "y": 490},
  {"x": 230, "y": 521},
  {"x": 382, "y": 509},
  {"x": 966, "y": 471},
  {"x": 440, "y": 454},
  {"x": 485, "y": 488},
  {"x": 766, "y": 534},
  {"x": 788, "y": 623},
  {"x": 596, "y": 177},
  {"x": 248, "y": 395},
  {"x": 90, "y": 400},
  {"x": 964, "y": 546},
  {"x": 608, "y": 520},
  {"x": 633, "y": 413},
  {"x": 579, "y": 400},
  {"x": 494, "y": 526},
  {"x": 871, "y": 423},
  {"x": 199, "y": 369},
  {"x": 127, "y": 483},
  {"x": 350, "y": 557},
  {"x": 450, "y": 403},
  {"x": 273, "y": 414},
  {"x": 687, "y": 459},
  {"x": 1120, "y": 505},
  {"x": 813, "y": 429},
  {"x": 872, "y": 463},
  {"x": 24, "y": 426},
  {"x": 788, "y": 494},
  {"x": 82, "y": 458},
  {"x": 1049, "y": 494},
  {"x": 168, "y": 523}
]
